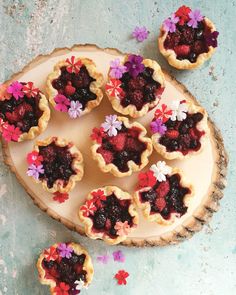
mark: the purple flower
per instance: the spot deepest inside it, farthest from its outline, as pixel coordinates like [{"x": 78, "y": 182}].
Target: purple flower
[
  {"x": 158, "y": 127},
  {"x": 64, "y": 250},
  {"x": 195, "y": 17},
  {"x": 15, "y": 90},
  {"x": 111, "y": 125},
  {"x": 140, "y": 33},
  {"x": 75, "y": 109},
  {"x": 34, "y": 171},
  {"x": 170, "y": 23},
  {"x": 211, "y": 39},
  {"x": 103, "y": 259},
  {"x": 117, "y": 69},
  {"x": 118, "y": 256},
  {"x": 134, "y": 65}
]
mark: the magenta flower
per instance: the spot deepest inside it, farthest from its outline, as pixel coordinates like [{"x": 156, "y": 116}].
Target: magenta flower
[
  {"x": 118, "y": 256},
  {"x": 111, "y": 125},
  {"x": 211, "y": 39},
  {"x": 64, "y": 250},
  {"x": 134, "y": 65},
  {"x": 140, "y": 34},
  {"x": 10, "y": 132},
  {"x": 62, "y": 103},
  {"x": 75, "y": 109},
  {"x": 170, "y": 23},
  {"x": 157, "y": 126},
  {"x": 16, "y": 90},
  {"x": 103, "y": 259},
  {"x": 195, "y": 17},
  {"x": 117, "y": 69},
  {"x": 34, "y": 171}
]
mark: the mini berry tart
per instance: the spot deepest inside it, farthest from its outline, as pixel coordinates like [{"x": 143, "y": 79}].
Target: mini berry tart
[
  {"x": 108, "y": 214},
  {"x": 56, "y": 163},
  {"x": 66, "y": 267},
  {"x": 163, "y": 194},
  {"x": 24, "y": 111},
  {"x": 134, "y": 86},
  {"x": 74, "y": 86},
  {"x": 179, "y": 131},
  {"x": 120, "y": 147},
  {"x": 187, "y": 39}
]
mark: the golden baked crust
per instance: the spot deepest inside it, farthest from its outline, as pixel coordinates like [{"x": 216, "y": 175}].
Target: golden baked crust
[
  {"x": 201, "y": 126},
  {"x": 88, "y": 223},
  {"x": 184, "y": 64},
  {"x": 77, "y": 165},
  {"x": 132, "y": 166},
  {"x": 87, "y": 266},
  {"x": 94, "y": 87},
  {"x": 131, "y": 109},
  {"x": 156, "y": 217}
]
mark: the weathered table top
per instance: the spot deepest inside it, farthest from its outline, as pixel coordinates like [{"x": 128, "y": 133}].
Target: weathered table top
[{"x": 203, "y": 265}]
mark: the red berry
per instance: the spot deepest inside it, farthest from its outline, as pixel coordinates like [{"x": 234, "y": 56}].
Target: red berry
[
  {"x": 78, "y": 267},
  {"x": 163, "y": 189},
  {"x": 53, "y": 272},
  {"x": 118, "y": 141},
  {"x": 192, "y": 133},
  {"x": 137, "y": 98},
  {"x": 160, "y": 203},
  {"x": 12, "y": 117},
  {"x": 172, "y": 133},
  {"x": 22, "y": 109},
  {"x": 108, "y": 224},
  {"x": 182, "y": 50},
  {"x": 69, "y": 90},
  {"x": 107, "y": 155},
  {"x": 199, "y": 47}
]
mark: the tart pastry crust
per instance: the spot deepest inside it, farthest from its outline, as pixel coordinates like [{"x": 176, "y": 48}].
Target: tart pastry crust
[
  {"x": 201, "y": 126},
  {"x": 88, "y": 223},
  {"x": 131, "y": 164},
  {"x": 156, "y": 217},
  {"x": 94, "y": 86},
  {"x": 77, "y": 165},
  {"x": 131, "y": 110},
  {"x": 87, "y": 266},
  {"x": 184, "y": 64}
]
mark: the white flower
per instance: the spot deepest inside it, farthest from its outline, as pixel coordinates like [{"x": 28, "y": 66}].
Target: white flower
[
  {"x": 75, "y": 109},
  {"x": 179, "y": 110},
  {"x": 111, "y": 125},
  {"x": 80, "y": 285},
  {"x": 160, "y": 170}
]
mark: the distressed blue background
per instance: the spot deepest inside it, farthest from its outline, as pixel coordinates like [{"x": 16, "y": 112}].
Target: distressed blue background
[{"x": 206, "y": 264}]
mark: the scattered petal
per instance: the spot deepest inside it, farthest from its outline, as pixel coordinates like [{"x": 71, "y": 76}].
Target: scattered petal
[
  {"x": 140, "y": 33},
  {"x": 122, "y": 228},
  {"x": 60, "y": 197},
  {"x": 118, "y": 256},
  {"x": 103, "y": 259},
  {"x": 121, "y": 277}
]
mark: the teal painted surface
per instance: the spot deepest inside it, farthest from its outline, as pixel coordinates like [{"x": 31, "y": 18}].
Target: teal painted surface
[{"x": 206, "y": 264}]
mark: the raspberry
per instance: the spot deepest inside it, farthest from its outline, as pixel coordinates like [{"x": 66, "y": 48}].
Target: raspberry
[
  {"x": 22, "y": 109},
  {"x": 107, "y": 155},
  {"x": 172, "y": 134},
  {"x": 12, "y": 117},
  {"x": 78, "y": 267},
  {"x": 137, "y": 98},
  {"x": 192, "y": 133},
  {"x": 182, "y": 50},
  {"x": 136, "y": 83},
  {"x": 118, "y": 141},
  {"x": 69, "y": 90},
  {"x": 160, "y": 203},
  {"x": 163, "y": 189},
  {"x": 172, "y": 40},
  {"x": 199, "y": 47},
  {"x": 108, "y": 224},
  {"x": 134, "y": 132}
]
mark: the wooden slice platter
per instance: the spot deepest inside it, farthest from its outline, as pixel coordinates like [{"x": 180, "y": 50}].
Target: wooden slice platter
[{"x": 206, "y": 170}]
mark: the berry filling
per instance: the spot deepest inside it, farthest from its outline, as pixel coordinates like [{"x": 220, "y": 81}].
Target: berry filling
[
  {"x": 183, "y": 136},
  {"x": 122, "y": 148},
  {"x": 111, "y": 211},
  {"x": 57, "y": 164},
  {"x": 23, "y": 113},
  {"x": 75, "y": 86},
  {"x": 166, "y": 197},
  {"x": 140, "y": 90},
  {"x": 188, "y": 42},
  {"x": 67, "y": 270}
]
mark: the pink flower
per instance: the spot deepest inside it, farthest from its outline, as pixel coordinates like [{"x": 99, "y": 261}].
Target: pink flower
[
  {"x": 34, "y": 158},
  {"x": 163, "y": 113},
  {"x": 16, "y": 90},
  {"x": 111, "y": 125},
  {"x": 75, "y": 109},
  {"x": 140, "y": 33},
  {"x": 195, "y": 17},
  {"x": 88, "y": 208},
  {"x": 65, "y": 251},
  {"x": 103, "y": 259},
  {"x": 50, "y": 254},
  {"x": 118, "y": 256},
  {"x": 73, "y": 67},
  {"x": 60, "y": 197},
  {"x": 113, "y": 88},
  {"x": 35, "y": 171},
  {"x": 122, "y": 228},
  {"x": 117, "y": 69},
  {"x": 170, "y": 23},
  {"x": 30, "y": 90},
  {"x": 10, "y": 132},
  {"x": 62, "y": 103}
]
